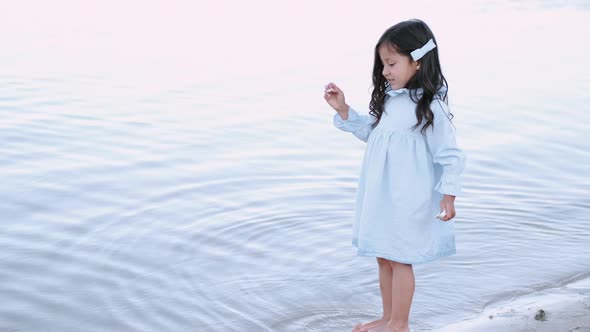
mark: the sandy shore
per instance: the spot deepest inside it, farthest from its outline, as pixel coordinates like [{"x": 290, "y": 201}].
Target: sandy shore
[{"x": 565, "y": 308}]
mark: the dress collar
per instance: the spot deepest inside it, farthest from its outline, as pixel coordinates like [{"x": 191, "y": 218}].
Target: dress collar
[
  {"x": 441, "y": 92},
  {"x": 394, "y": 93}
]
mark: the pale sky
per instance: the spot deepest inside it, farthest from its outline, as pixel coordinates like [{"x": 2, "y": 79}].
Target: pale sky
[{"x": 230, "y": 39}]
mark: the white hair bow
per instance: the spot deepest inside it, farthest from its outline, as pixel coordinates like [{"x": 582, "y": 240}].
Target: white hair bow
[{"x": 420, "y": 52}]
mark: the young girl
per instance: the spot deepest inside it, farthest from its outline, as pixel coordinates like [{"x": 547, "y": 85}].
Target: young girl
[{"x": 411, "y": 168}]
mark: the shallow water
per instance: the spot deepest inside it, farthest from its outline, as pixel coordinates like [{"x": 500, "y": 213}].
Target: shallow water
[{"x": 181, "y": 202}]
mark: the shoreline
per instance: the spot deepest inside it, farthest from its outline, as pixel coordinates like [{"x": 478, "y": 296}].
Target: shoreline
[{"x": 564, "y": 308}]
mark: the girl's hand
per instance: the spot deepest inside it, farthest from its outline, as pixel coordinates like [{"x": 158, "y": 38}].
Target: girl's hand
[
  {"x": 448, "y": 204},
  {"x": 335, "y": 97}
]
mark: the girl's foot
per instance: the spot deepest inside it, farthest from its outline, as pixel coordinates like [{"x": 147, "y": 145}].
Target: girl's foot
[
  {"x": 379, "y": 328},
  {"x": 388, "y": 328},
  {"x": 367, "y": 326}
]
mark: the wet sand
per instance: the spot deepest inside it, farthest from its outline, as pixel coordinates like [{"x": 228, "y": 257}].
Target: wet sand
[{"x": 564, "y": 308}]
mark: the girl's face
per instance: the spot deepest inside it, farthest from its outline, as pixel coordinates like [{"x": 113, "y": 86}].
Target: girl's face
[{"x": 398, "y": 69}]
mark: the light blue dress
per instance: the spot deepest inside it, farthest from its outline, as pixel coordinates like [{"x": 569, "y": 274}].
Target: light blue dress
[{"x": 404, "y": 175}]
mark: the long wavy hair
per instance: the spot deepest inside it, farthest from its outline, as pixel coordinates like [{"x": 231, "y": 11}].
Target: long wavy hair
[{"x": 405, "y": 37}]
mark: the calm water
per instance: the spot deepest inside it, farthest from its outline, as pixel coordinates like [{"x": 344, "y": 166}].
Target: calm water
[{"x": 139, "y": 201}]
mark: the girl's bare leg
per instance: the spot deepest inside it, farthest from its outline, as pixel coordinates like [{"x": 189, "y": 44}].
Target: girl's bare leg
[
  {"x": 402, "y": 294},
  {"x": 385, "y": 284}
]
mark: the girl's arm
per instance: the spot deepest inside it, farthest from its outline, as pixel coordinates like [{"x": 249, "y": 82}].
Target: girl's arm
[
  {"x": 359, "y": 125},
  {"x": 445, "y": 152},
  {"x": 346, "y": 118}
]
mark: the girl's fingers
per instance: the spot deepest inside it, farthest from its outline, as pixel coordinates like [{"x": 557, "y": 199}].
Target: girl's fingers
[
  {"x": 451, "y": 214},
  {"x": 449, "y": 208},
  {"x": 446, "y": 212},
  {"x": 448, "y": 216},
  {"x": 331, "y": 87}
]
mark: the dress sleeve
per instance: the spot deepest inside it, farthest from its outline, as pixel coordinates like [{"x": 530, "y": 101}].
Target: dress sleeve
[
  {"x": 444, "y": 150},
  {"x": 359, "y": 125}
]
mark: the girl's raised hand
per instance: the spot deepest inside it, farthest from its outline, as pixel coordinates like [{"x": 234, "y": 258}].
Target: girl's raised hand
[{"x": 335, "y": 97}]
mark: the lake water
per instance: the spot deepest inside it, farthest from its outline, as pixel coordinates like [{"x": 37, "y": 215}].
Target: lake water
[{"x": 201, "y": 185}]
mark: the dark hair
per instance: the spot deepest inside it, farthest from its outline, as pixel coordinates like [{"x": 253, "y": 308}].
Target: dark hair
[{"x": 405, "y": 37}]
